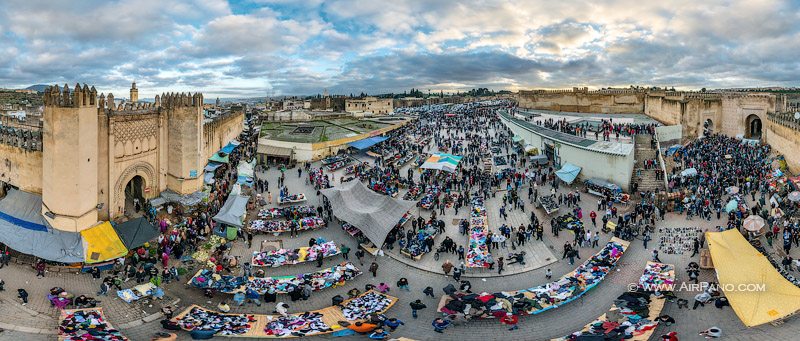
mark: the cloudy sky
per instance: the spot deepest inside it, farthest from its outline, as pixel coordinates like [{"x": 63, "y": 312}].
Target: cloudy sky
[{"x": 286, "y": 47}]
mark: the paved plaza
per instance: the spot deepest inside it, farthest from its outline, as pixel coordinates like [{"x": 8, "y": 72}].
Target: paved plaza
[{"x": 140, "y": 320}]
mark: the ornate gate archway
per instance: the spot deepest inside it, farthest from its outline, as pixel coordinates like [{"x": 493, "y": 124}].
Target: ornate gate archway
[{"x": 146, "y": 172}]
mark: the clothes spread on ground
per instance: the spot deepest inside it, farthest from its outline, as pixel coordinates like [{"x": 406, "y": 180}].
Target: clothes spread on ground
[
  {"x": 290, "y": 198},
  {"x": 548, "y": 203},
  {"x": 413, "y": 193},
  {"x": 677, "y": 240},
  {"x": 657, "y": 277},
  {"x": 478, "y": 251},
  {"x": 88, "y": 325},
  {"x": 431, "y": 193},
  {"x": 222, "y": 324},
  {"x": 542, "y": 298},
  {"x": 319, "y": 280},
  {"x": 569, "y": 222},
  {"x": 359, "y": 307},
  {"x": 627, "y": 318},
  {"x": 418, "y": 245},
  {"x": 305, "y": 324},
  {"x": 290, "y": 212},
  {"x": 281, "y": 257},
  {"x": 280, "y": 226},
  {"x": 207, "y": 279}
]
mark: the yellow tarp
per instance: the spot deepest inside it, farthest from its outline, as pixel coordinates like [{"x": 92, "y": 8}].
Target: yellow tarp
[
  {"x": 101, "y": 243},
  {"x": 741, "y": 271}
]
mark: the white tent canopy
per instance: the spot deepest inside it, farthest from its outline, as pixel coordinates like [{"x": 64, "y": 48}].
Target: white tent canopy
[
  {"x": 372, "y": 213},
  {"x": 233, "y": 211}
]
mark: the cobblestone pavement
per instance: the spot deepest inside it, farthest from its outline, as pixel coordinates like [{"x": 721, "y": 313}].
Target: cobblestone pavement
[{"x": 38, "y": 320}]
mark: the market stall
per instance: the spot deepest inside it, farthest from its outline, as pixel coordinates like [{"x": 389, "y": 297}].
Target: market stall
[
  {"x": 548, "y": 203},
  {"x": 288, "y": 199},
  {"x": 282, "y": 257},
  {"x": 416, "y": 248},
  {"x": 541, "y": 298},
  {"x": 602, "y": 188},
  {"x": 317, "y": 322},
  {"x": 86, "y": 324},
  {"x": 477, "y": 250},
  {"x": 431, "y": 192},
  {"x": 336, "y": 275},
  {"x": 281, "y": 226}
]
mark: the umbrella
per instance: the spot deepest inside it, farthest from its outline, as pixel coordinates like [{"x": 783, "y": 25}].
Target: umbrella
[
  {"x": 794, "y": 196},
  {"x": 733, "y": 190},
  {"x": 754, "y": 223},
  {"x": 731, "y": 206}
]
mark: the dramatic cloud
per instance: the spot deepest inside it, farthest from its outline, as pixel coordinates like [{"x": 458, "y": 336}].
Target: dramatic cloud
[{"x": 280, "y": 47}]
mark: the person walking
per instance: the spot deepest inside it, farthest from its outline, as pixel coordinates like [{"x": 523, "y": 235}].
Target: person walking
[
  {"x": 500, "y": 265},
  {"x": 439, "y": 325},
  {"x": 40, "y": 268},
  {"x": 403, "y": 284},
  {"x": 345, "y": 252},
  {"x": 415, "y": 306},
  {"x": 360, "y": 256},
  {"x": 373, "y": 268},
  {"x": 446, "y": 267},
  {"x": 457, "y": 274},
  {"x": 510, "y": 320},
  {"x": 22, "y": 294}
]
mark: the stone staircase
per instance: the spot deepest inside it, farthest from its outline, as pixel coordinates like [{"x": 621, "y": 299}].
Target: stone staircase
[{"x": 647, "y": 179}]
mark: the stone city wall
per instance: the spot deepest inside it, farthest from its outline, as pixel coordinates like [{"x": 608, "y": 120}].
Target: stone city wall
[
  {"x": 584, "y": 101},
  {"x": 21, "y": 167},
  {"x": 783, "y": 134}
]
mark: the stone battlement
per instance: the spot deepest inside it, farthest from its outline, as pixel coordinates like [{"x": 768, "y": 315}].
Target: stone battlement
[
  {"x": 174, "y": 100},
  {"x": 785, "y": 119},
  {"x": 79, "y": 97}
]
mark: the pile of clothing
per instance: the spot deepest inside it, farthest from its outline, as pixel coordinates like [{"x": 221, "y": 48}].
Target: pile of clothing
[
  {"x": 270, "y": 213},
  {"x": 280, "y": 226},
  {"x": 305, "y": 324},
  {"x": 318, "y": 280},
  {"x": 369, "y": 303},
  {"x": 431, "y": 193},
  {"x": 281, "y": 257},
  {"x": 538, "y": 299},
  {"x": 338, "y": 164},
  {"x": 569, "y": 222},
  {"x": 626, "y": 319},
  {"x": 418, "y": 245},
  {"x": 270, "y": 226},
  {"x": 311, "y": 223},
  {"x": 88, "y": 325},
  {"x": 299, "y": 211},
  {"x": 478, "y": 251},
  {"x": 549, "y": 203},
  {"x": 207, "y": 279},
  {"x": 657, "y": 276},
  {"x": 293, "y": 197},
  {"x": 413, "y": 193},
  {"x": 223, "y": 324}
]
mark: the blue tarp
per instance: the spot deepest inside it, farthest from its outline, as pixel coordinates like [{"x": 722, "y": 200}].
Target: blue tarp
[
  {"x": 367, "y": 142},
  {"x": 23, "y": 228},
  {"x": 212, "y": 166},
  {"x": 568, "y": 172},
  {"x": 228, "y": 148}
]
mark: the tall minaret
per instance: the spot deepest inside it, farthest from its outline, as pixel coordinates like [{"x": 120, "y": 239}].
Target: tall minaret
[{"x": 134, "y": 93}]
